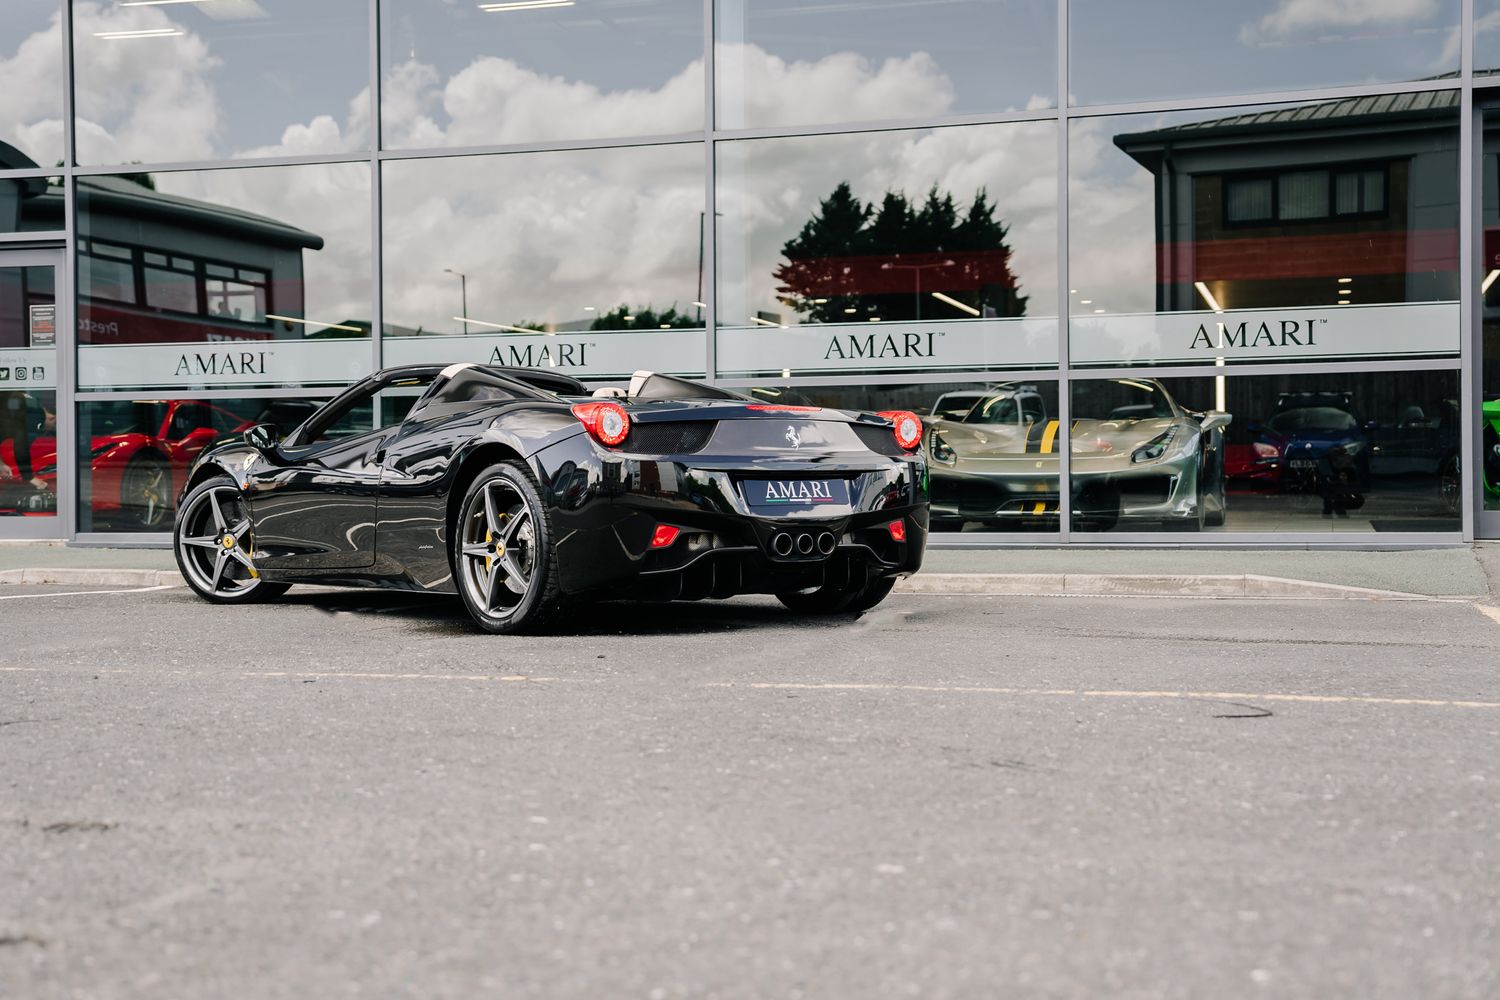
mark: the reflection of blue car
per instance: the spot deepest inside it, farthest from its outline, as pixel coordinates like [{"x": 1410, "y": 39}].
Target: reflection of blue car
[{"x": 1319, "y": 434}]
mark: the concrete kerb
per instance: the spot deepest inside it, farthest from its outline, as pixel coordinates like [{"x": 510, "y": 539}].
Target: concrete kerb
[
  {"x": 1244, "y": 586},
  {"x": 83, "y": 577},
  {"x": 1241, "y": 585}
]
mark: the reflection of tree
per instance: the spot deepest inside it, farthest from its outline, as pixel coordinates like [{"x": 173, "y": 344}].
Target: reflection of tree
[
  {"x": 625, "y": 318},
  {"x": 853, "y": 261}
]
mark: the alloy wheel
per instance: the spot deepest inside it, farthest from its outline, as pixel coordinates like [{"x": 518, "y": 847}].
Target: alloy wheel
[
  {"x": 216, "y": 544},
  {"x": 499, "y": 548}
]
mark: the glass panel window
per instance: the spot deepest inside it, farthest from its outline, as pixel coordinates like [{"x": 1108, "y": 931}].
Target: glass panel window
[
  {"x": 781, "y": 62},
  {"x": 466, "y": 74},
  {"x": 1369, "y": 452},
  {"x": 28, "y": 391},
  {"x": 1155, "y": 49},
  {"x": 1304, "y": 194},
  {"x": 255, "y": 276},
  {"x": 174, "y": 290},
  {"x": 587, "y": 262},
  {"x": 164, "y": 82},
  {"x": 134, "y": 455},
  {"x": 991, "y": 447},
  {"x": 31, "y": 77},
  {"x": 1245, "y": 236},
  {"x": 1249, "y": 199},
  {"x": 893, "y": 252}
]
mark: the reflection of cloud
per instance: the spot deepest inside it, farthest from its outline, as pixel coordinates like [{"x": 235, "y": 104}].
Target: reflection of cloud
[
  {"x": 142, "y": 94},
  {"x": 31, "y": 85},
  {"x": 1112, "y": 221},
  {"x": 839, "y": 86},
  {"x": 494, "y": 101},
  {"x": 1292, "y": 17},
  {"x": 541, "y": 236}
]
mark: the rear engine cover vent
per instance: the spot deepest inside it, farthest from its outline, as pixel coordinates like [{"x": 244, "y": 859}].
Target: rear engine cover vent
[{"x": 670, "y": 437}]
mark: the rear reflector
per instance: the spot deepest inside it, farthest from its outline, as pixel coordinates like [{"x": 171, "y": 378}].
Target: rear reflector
[
  {"x": 606, "y": 422},
  {"x": 665, "y": 535},
  {"x": 773, "y": 408},
  {"x": 907, "y": 425},
  {"x": 897, "y": 530}
]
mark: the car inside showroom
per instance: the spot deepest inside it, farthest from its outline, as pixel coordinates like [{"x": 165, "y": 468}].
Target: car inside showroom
[{"x": 1146, "y": 278}]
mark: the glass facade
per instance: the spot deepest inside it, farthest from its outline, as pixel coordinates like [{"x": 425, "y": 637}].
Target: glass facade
[{"x": 1144, "y": 268}]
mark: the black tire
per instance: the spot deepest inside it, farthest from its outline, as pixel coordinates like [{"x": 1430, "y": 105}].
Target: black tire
[
  {"x": 833, "y": 599},
  {"x": 503, "y": 540},
  {"x": 213, "y": 541},
  {"x": 146, "y": 492}
]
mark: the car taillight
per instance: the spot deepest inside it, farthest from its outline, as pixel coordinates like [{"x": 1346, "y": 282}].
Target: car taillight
[
  {"x": 908, "y": 428},
  {"x": 897, "y": 530},
  {"x": 606, "y": 422},
  {"x": 664, "y": 535},
  {"x": 774, "y": 408}
]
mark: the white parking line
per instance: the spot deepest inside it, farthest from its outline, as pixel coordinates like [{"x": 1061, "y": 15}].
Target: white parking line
[
  {"x": 84, "y": 593},
  {"x": 1316, "y": 699}
]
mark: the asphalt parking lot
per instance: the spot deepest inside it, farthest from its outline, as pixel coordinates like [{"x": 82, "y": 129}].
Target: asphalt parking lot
[{"x": 353, "y": 793}]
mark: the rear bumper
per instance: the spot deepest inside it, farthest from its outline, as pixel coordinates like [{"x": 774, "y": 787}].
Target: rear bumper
[{"x": 605, "y": 509}]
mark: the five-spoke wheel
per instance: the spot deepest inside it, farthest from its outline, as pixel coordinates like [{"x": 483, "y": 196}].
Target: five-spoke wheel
[
  {"x": 215, "y": 545},
  {"x": 504, "y": 559}
]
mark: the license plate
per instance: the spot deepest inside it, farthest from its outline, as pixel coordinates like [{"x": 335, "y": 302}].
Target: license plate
[
  {"x": 1302, "y": 463},
  {"x": 795, "y": 494}
]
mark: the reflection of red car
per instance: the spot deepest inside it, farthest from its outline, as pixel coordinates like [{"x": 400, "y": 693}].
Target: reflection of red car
[
  {"x": 140, "y": 453},
  {"x": 1253, "y": 468}
]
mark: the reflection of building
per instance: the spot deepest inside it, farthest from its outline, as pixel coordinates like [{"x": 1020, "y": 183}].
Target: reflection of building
[
  {"x": 156, "y": 267},
  {"x": 1301, "y": 204},
  {"x": 159, "y": 268}
]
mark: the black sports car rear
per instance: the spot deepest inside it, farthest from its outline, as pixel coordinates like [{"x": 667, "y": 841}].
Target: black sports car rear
[{"x": 519, "y": 489}]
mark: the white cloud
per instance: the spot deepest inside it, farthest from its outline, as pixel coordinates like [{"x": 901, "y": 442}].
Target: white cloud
[
  {"x": 1292, "y": 17},
  {"x": 31, "y": 87},
  {"x": 757, "y": 88}
]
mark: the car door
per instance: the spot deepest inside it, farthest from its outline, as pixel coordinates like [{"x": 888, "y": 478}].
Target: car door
[{"x": 315, "y": 504}]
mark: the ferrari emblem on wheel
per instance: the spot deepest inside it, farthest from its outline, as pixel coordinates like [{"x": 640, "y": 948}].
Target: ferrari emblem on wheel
[{"x": 522, "y": 492}]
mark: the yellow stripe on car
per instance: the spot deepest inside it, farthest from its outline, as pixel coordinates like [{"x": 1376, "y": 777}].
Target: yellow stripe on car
[{"x": 1049, "y": 437}]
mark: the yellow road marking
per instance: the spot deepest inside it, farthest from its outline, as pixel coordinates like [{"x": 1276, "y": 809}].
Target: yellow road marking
[{"x": 1049, "y": 437}]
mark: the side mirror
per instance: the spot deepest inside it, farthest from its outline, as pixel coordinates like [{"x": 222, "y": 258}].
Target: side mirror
[
  {"x": 1215, "y": 420},
  {"x": 262, "y": 437}
]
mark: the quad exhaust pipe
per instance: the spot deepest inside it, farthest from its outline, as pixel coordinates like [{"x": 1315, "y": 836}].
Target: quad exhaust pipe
[{"x": 804, "y": 543}]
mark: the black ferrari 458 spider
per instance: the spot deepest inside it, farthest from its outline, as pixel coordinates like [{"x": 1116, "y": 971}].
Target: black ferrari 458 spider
[{"x": 521, "y": 490}]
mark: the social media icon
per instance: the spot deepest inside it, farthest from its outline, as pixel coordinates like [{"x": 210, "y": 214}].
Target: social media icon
[
  {"x": 4, "y": 374},
  {"x": 21, "y": 374},
  {"x": 38, "y": 373}
]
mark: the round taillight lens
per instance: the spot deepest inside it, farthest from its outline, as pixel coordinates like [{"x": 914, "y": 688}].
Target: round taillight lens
[
  {"x": 607, "y": 423},
  {"x": 907, "y": 426}
]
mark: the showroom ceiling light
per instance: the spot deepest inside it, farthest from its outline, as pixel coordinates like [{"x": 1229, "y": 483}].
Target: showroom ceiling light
[
  {"x": 500, "y": 8},
  {"x": 1345, "y": 281},
  {"x": 1489, "y": 279},
  {"x": 143, "y": 33},
  {"x": 763, "y": 322},
  {"x": 314, "y": 322},
  {"x": 496, "y": 326},
  {"x": 964, "y": 306},
  {"x": 1208, "y": 297},
  {"x": 701, "y": 305}
]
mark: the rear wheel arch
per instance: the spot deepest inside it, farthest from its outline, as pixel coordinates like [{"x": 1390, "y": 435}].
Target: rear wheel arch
[{"x": 469, "y": 468}]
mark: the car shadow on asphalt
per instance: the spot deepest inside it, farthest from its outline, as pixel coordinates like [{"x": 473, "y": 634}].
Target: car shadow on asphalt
[{"x": 444, "y": 615}]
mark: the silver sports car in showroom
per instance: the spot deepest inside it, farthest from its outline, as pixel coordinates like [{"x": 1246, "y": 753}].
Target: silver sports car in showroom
[{"x": 1138, "y": 458}]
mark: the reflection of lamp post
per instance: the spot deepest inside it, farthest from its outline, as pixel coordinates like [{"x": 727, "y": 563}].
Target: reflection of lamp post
[
  {"x": 916, "y": 270},
  {"x": 463, "y": 291}
]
